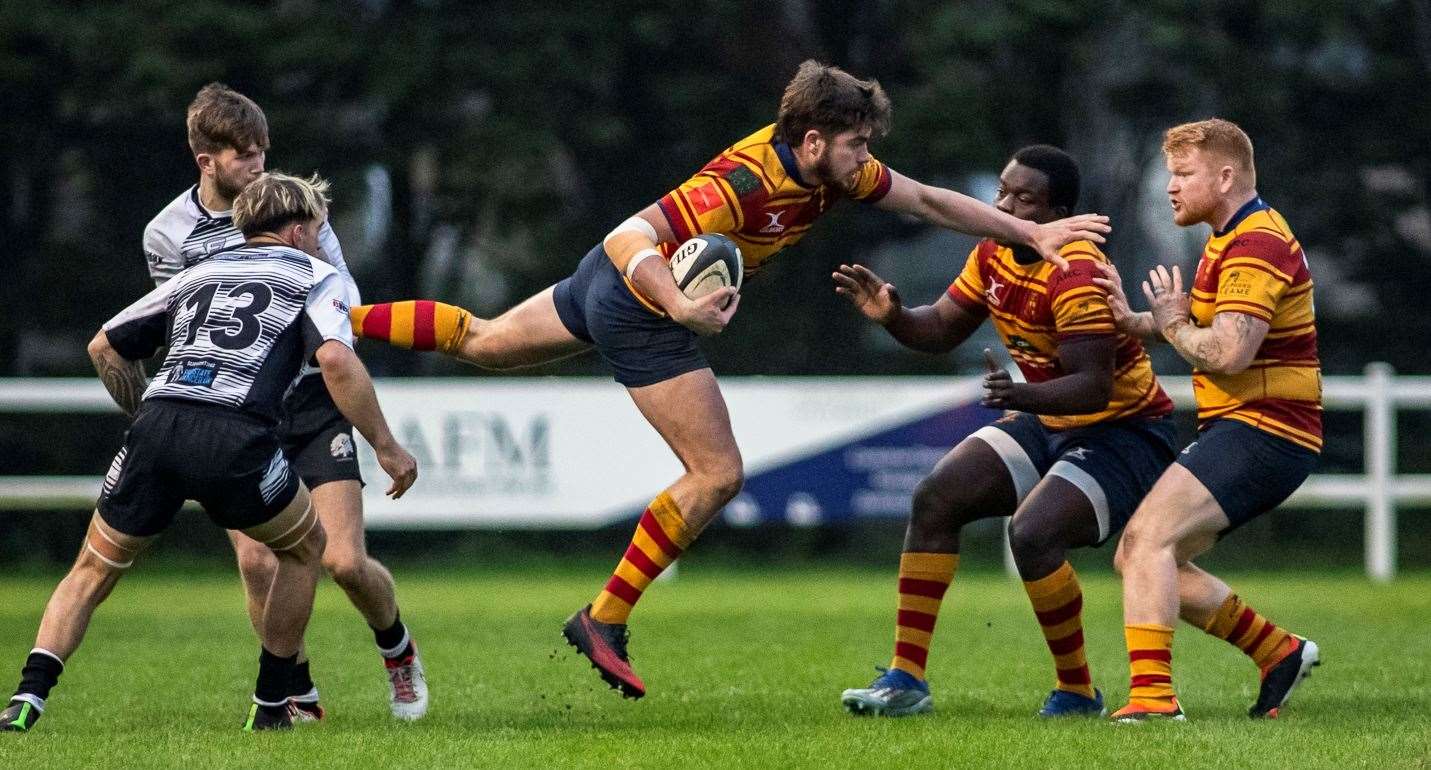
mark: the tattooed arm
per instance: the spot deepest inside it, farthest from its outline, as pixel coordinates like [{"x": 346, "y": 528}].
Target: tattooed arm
[
  {"x": 124, "y": 379},
  {"x": 1226, "y": 347}
]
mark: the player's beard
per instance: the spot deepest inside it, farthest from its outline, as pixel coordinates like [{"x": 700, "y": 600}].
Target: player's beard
[
  {"x": 229, "y": 187},
  {"x": 826, "y": 172}
]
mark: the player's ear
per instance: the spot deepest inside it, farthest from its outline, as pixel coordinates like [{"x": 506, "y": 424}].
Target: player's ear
[
  {"x": 205, "y": 162},
  {"x": 813, "y": 141}
]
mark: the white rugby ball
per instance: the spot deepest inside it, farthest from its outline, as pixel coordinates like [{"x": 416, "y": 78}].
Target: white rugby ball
[{"x": 706, "y": 263}]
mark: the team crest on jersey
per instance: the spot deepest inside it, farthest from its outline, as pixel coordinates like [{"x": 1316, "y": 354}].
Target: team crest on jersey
[
  {"x": 743, "y": 181},
  {"x": 341, "y": 447}
]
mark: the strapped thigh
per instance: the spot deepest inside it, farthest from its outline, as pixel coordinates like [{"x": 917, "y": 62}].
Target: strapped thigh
[
  {"x": 286, "y": 530},
  {"x": 108, "y": 544}
]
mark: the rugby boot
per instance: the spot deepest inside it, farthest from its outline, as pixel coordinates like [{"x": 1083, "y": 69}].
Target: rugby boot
[
  {"x": 20, "y": 716},
  {"x": 1062, "y": 703},
  {"x": 604, "y": 644},
  {"x": 894, "y": 693},
  {"x": 267, "y": 718},
  {"x": 305, "y": 708},
  {"x": 407, "y": 685},
  {"x": 1136, "y": 714},
  {"x": 1282, "y": 678}
]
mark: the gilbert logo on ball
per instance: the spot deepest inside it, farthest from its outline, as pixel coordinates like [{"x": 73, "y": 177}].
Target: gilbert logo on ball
[{"x": 706, "y": 263}]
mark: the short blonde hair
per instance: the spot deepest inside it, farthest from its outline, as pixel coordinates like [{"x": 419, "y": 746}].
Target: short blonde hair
[
  {"x": 1213, "y": 135},
  {"x": 220, "y": 117},
  {"x": 274, "y": 200}
]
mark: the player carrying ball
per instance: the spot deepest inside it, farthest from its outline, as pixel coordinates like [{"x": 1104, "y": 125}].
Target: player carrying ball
[
  {"x": 765, "y": 192},
  {"x": 1250, "y": 334},
  {"x": 1084, "y": 438}
]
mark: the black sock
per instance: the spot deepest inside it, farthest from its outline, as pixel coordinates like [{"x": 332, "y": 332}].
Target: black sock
[
  {"x": 274, "y": 674},
  {"x": 301, "y": 682},
  {"x": 392, "y": 636},
  {"x": 41, "y": 672}
]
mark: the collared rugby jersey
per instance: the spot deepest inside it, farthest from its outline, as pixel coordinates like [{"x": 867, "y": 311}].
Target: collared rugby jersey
[
  {"x": 185, "y": 233},
  {"x": 1255, "y": 266},
  {"x": 752, "y": 192},
  {"x": 239, "y": 325},
  {"x": 1036, "y": 306}
]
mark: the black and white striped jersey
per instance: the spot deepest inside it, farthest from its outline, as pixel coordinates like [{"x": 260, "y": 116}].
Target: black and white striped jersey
[
  {"x": 239, "y": 325},
  {"x": 185, "y": 233}
]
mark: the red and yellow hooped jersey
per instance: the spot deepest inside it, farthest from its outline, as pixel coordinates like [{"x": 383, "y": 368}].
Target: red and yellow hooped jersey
[
  {"x": 753, "y": 194},
  {"x": 1036, "y": 306},
  {"x": 1255, "y": 266}
]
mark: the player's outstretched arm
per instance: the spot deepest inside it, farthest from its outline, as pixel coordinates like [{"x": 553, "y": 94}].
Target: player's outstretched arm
[
  {"x": 1227, "y": 346},
  {"x": 1085, "y": 387},
  {"x": 123, "y": 378},
  {"x": 936, "y": 328},
  {"x": 957, "y": 211},
  {"x": 352, "y": 391}
]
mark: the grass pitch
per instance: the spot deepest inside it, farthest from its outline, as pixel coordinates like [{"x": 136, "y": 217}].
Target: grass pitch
[{"x": 744, "y": 669}]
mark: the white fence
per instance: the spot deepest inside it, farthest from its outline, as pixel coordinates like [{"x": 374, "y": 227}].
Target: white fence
[{"x": 1378, "y": 394}]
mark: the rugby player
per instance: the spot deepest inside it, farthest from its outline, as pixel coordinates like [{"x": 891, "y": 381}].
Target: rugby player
[
  {"x": 765, "y": 192},
  {"x": 1083, "y": 439},
  {"x": 238, "y": 329},
  {"x": 1249, "y": 332},
  {"x": 228, "y": 135}
]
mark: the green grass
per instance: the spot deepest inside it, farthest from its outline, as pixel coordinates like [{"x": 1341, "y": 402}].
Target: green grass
[{"x": 744, "y": 669}]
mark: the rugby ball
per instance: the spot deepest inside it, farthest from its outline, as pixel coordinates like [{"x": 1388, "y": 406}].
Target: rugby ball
[{"x": 706, "y": 263}]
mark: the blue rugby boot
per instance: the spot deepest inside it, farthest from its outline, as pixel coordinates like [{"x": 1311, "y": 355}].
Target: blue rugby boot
[
  {"x": 1062, "y": 703},
  {"x": 894, "y": 693}
]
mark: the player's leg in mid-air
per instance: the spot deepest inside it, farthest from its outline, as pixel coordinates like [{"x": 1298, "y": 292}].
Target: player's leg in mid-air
[
  {"x": 530, "y": 333},
  {"x": 971, "y": 482},
  {"x": 1230, "y": 475},
  {"x": 1102, "y": 472}
]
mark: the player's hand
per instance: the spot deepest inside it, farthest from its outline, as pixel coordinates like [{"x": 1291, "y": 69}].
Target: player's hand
[
  {"x": 870, "y": 294},
  {"x": 399, "y": 465},
  {"x": 999, "y": 386},
  {"x": 1112, "y": 283},
  {"x": 710, "y": 314},
  {"x": 1164, "y": 291},
  {"x": 1050, "y": 237}
]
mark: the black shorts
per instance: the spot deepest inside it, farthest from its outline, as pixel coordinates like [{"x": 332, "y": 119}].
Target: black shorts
[
  {"x": 232, "y": 464},
  {"x": 643, "y": 347},
  {"x": 316, "y": 437},
  {"x": 1248, "y": 471},
  {"x": 1114, "y": 463}
]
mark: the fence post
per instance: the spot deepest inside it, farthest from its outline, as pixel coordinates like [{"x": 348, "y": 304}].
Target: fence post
[{"x": 1380, "y": 437}]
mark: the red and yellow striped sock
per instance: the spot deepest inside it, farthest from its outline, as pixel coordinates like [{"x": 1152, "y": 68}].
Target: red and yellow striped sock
[
  {"x": 660, "y": 538},
  {"x": 1150, "y": 661},
  {"x": 1058, "y": 602},
  {"x": 923, "y": 579},
  {"x": 1245, "y": 628},
  {"x": 419, "y": 324}
]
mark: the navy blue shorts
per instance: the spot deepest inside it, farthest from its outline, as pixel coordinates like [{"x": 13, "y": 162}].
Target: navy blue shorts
[
  {"x": 1248, "y": 471},
  {"x": 644, "y": 348},
  {"x": 1114, "y": 463}
]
